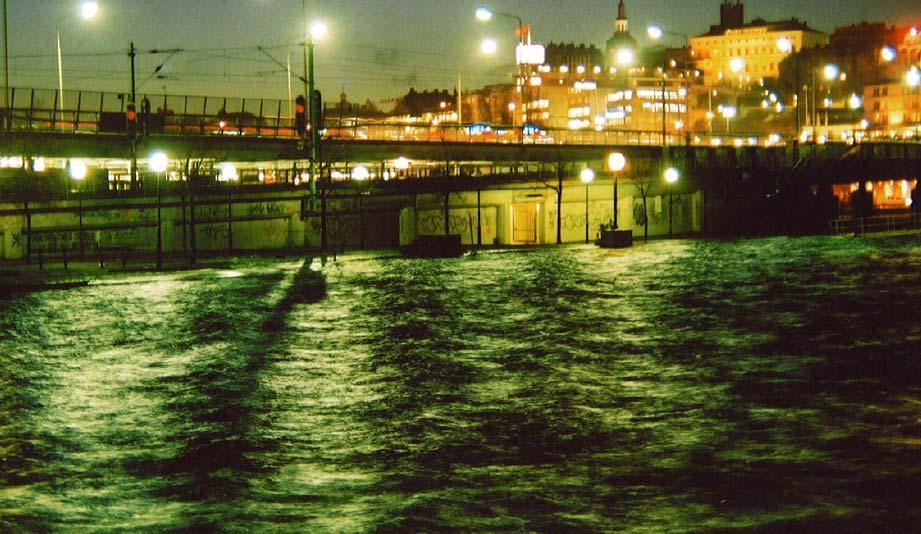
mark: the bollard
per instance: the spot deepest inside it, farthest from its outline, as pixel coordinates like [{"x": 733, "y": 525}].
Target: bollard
[
  {"x": 124, "y": 260},
  {"x": 41, "y": 262},
  {"x": 101, "y": 261},
  {"x": 65, "y": 260}
]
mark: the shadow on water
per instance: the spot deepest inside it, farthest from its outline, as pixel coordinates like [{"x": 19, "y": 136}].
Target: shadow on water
[
  {"x": 220, "y": 413},
  {"x": 26, "y": 446}
]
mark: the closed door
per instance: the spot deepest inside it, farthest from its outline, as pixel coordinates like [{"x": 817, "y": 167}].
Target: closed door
[{"x": 524, "y": 223}]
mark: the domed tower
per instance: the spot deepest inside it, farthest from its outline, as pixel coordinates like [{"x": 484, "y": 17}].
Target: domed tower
[{"x": 620, "y": 41}]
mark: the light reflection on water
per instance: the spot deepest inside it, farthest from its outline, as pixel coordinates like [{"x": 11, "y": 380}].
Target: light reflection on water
[{"x": 683, "y": 385}]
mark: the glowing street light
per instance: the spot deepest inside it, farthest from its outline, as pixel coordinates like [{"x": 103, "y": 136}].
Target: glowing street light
[
  {"x": 913, "y": 77},
  {"x": 317, "y": 30},
  {"x": 401, "y": 163},
  {"x": 483, "y": 13},
  {"x": 616, "y": 163},
  {"x": 736, "y": 65},
  {"x": 77, "y": 169},
  {"x": 624, "y": 57},
  {"x": 360, "y": 173},
  {"x": 489, "y": 46},
  {"x": 785, "y": 45},
  {"x": 158, "y": 163},
  {"x": 671, "y": 177},
  {"x": 88, "y": 10},
  {"x": 854, "y": 102},
  {"x": 228, "y": 172},
  {"x": 587, "y": 175},
  {"x": 888, "y": 54},
  {"x": 830, "y": 72},
  {"x": 654, "y": 31}
]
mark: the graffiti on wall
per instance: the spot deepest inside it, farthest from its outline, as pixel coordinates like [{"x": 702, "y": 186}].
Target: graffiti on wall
[{"x": 266, "y": 209}]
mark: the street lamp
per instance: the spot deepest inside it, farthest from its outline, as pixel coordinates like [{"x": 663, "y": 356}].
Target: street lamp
[
  {"x": 485, "y": 14},
  {"x": 88, "y": 10},
  {"x": 728, "y": 112},
  {"x": 158, "y": 163},
  {"x": 671, "y": 177},
  {"x": 786, "y": 46},
  {"x": 77, "y": 171},
  {"x": 489, "y": 46},
  {"x": 616, "y": 163},
  {"x": 888, "y": 54},
  {"x": 227, "y": 175},
  {"x": 913, "y": 77},
  {"x": 587, "y": 176},
  {"x": 656, "y": 32}
]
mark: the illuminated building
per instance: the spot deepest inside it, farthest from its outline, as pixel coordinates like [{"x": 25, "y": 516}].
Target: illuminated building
[
  {"x": 735, "y": 52},
  {"x": 894, "y": 107}
]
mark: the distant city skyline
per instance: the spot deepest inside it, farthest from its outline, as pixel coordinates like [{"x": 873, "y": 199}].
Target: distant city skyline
[{"x": 375, "y": 49}]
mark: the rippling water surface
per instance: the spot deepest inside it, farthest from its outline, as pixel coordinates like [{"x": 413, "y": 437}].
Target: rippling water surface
[{"x": 678, "y": 386}]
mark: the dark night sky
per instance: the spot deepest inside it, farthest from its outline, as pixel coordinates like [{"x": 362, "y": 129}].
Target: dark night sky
[{"x": 376, "y": 48}]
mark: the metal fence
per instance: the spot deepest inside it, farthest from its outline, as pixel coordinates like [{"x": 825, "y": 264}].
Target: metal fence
[
  {"x": 876, "y": 224},
  {"x": 90, "y": 112}
]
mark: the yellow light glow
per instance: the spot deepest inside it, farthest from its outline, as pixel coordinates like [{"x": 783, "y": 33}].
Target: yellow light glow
[
  {"x": 77, "y": 169},
  {"x": 88, "y": 10},
  {"x": 317, "y": 30},
  {"x": 616, "y": 162}
]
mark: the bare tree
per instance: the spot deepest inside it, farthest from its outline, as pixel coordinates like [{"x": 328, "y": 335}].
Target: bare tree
[{"x": 643, "y": 182}]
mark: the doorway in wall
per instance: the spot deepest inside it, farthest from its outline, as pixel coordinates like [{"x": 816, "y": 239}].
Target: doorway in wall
[{"x": 524, "y": 223}]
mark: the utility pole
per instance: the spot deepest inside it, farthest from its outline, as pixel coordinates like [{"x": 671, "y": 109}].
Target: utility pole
[
  {"x": 132, "y": 52},
  {"x": 6, "y": 66}
]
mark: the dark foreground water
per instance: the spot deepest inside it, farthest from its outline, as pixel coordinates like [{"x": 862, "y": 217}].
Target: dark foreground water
[{"x": 769, "y": 385}]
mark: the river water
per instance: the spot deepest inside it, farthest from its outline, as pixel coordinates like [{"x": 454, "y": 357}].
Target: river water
[{"x": 769, "y": 384}]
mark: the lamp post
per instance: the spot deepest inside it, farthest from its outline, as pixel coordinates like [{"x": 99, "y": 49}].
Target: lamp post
[
  {"x": 6, "y": 65},
  {"x": 830, "y": 72},
  {"x": 587, "y": 176},
  {"x": 77, "y": 171},
  {"x": 485, "y": 14},
  {"x": 88, "y": 10},
  {"x": 625, "y": 58},
  {"x": 229, "y": 174},
  {"x": 671, "y": 177},
  {"x": 158, "y": 163},
  {"x": 728, "y": 112},
  {"x": 655, "y": 32},
  {"x": 785, "y": 45},
  {"x": 316, "y": 31},
  {"x": 616, "y": 163}
]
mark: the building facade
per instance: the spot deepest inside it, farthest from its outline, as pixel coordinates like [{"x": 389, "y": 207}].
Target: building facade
[{"x": 735, "y": 52}]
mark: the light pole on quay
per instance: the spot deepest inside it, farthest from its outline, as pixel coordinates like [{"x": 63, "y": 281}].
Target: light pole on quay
[
  {"x": 671, "y": 177},
  {"x": 587, "y": 176},
  {"x": 158, "y": 163},
  {"x": 77, "y": 171},
  {"x": 616, "y": 163}
]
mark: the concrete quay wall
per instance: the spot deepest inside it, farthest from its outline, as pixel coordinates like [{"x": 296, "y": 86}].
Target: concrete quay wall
[{"x": 289, "y": 221}]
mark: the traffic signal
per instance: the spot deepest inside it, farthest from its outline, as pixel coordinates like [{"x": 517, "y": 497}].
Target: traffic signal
[
  {"x": 131, "y": 121},
  {"x": 145, "y": 117},
  {"x": 300, "y": 115},
  {"x": 316, "y": 113}
]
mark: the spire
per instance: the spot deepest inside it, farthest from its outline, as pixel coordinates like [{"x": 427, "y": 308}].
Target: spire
[{"x": 621, "y": 25}]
